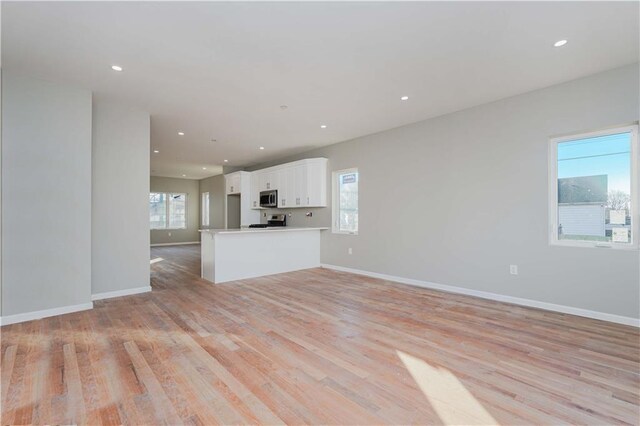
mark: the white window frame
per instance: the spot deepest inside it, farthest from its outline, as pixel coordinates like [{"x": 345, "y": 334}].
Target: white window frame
[
  {"x": 204, "y": 208},
  {"x": 553, "y": 189},
  {"x": 167, "y": 221},
  {"x": 335, "y": 205}
]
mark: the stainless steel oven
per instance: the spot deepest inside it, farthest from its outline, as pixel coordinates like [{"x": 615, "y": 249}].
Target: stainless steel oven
[{"x": 269, "y": 198}]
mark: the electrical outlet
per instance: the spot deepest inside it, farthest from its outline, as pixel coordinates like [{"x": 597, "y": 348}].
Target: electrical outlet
[
  {"x": 513, "y": 269},
  {"x": 350, "y": 250}
]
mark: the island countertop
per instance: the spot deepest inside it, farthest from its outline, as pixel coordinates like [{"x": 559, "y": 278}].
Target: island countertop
[
  {"x": 259, "y": 230},
  {"x": 236, "y": 254}
]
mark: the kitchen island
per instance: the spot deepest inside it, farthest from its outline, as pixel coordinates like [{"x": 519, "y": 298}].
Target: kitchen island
[{"x": 235, "y": 254}]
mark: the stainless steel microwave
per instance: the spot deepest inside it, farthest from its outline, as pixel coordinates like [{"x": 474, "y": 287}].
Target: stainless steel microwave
[{"x": 269, "y": 198}]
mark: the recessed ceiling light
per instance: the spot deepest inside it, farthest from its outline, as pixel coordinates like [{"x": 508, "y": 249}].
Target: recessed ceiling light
[
  {"x": 204, "y": 168},
  {"x": 184, "y": 175},
  {"x": 116, "y": 68},
  {"x": 156, "y": 151},
  {"x": 226, "y": 161},
  {"x": 262, "y": 147},
  {"x": 180, "y": 133},
  {"x": 323, "y": 126},
  {"x": 559, "y": 43},
  {"x": 283, "y": 107},
  {"x": 404, "y": 98}
]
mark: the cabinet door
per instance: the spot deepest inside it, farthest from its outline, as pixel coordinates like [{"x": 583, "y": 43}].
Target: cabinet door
[
  {"x": 301, "y": 190},
  {"x": 256, "y": 181},
  {"x": 286, "y": 187},
  {"x": 232, "y": 183},
  {"x": 237, "y": 184},
  {"x": 317, "y": 183},
  {"x": 270, "y": 180}
]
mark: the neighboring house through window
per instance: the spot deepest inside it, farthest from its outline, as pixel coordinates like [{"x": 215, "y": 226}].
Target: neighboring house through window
[{"x": 593, "y": 191}]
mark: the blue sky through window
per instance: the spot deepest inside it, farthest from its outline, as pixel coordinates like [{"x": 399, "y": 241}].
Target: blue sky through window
[{"x": 603, "y": 155}]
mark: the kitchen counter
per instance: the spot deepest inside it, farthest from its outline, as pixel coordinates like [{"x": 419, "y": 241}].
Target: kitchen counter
[
  {"x": 271, "y": 229},
  {"x": 236, "y": 254}
]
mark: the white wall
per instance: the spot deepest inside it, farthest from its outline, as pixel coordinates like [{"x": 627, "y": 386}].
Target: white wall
[
  {"x": 120, "y": 206},
  {"x": 46, "y": 190},
  {"x": 456, "y": 199}
]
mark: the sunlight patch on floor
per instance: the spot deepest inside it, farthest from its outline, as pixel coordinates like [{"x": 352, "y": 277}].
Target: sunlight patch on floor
[
  {"x": 450, "y": 399},
  {"x": 156, "y": 260}
]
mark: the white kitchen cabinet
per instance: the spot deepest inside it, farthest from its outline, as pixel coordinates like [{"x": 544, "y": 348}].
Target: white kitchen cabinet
[
  {"x": 286, "y": 187},
  {"x": 299, "y": 184},
  {"x": 233, "y": 183},
  {"x": 317, "y": 183},
  {"x": 239, "y": 184},
  {"x": 256, "y": 180},
  {"x": 270, "y": 179},
  {"x": 301, "y": 189}
]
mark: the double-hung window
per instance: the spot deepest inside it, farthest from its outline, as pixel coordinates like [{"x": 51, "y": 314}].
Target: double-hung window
[
  {"x": 345, "y": 201},
  {"x": 205, "y": 209},
  {"x": 168, "y": 210},
  {"x": 593, "y": 189}
]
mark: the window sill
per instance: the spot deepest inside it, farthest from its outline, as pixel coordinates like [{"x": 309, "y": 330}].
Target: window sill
[
  {"x": 343, "y": 232},
  {"x": 594, "y": 245}
]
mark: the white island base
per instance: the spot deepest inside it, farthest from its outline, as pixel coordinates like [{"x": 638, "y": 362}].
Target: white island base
[{"x": 235, "y": 254}]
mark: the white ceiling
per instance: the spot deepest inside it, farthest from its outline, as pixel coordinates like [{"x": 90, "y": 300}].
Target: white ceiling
[{"x": 222, "y": 70}]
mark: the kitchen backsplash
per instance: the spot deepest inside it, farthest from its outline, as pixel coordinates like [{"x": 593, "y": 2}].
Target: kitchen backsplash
[{"x": 298, "y": 217}]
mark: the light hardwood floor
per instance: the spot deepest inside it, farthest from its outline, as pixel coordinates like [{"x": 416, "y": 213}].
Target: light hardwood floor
[{"x": 314, "y": 346}]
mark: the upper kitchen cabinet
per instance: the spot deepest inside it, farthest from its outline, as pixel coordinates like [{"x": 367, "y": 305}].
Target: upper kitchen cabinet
[
  {"x": 256, "y": 182},
  {"x": 233, "y": 183},
  {"x": 299, "y": 184},
  {"x": 316, "y": 183}
]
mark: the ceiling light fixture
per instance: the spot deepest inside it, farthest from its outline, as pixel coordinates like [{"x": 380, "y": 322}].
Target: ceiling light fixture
[
  {"x": 323, "y": 126},
  {"x": 262, "y": 147},
  {"x": 116, "y": 68},
  {"x": 559, "y": 43},
  {"x": 180, "y": 133},
  {"x": 226, "y": 161},
  {"x": 204, "y": 168},
  {"x": 404, "y": 98},
  {"x": 184, "y": 175},
  {"x": 156, "y": 151}
]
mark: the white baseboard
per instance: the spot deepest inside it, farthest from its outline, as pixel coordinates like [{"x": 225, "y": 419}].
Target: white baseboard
[
  {"x": 497, "y": 297},
  {"x": 120, "y": 293},
  {"x": 175, "y": 244},
  {"x": 29, "y": 316}
]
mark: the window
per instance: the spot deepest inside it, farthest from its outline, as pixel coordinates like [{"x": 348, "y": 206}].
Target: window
[
  {"x": 205, "y": 209},
  {"x": 593, "y": 191},
  {"x": 168, "y": 210},
  {"x": 345, "y": 201}
]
